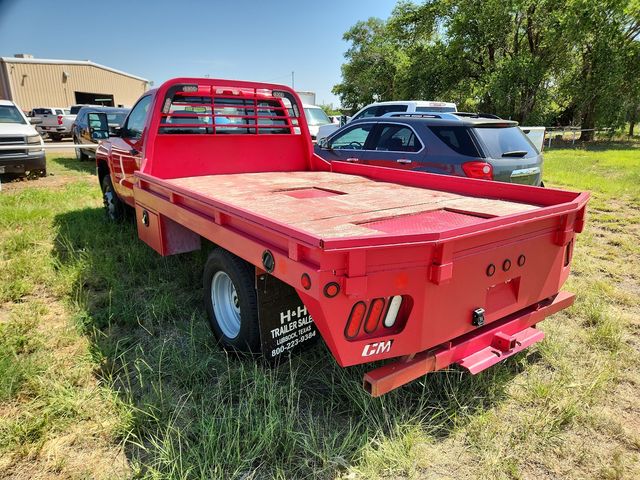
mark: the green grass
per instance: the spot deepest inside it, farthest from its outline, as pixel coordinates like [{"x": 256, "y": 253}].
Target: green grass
[
  {"x": 609, "y": 171},
  {"x": 108, "y": 370}
]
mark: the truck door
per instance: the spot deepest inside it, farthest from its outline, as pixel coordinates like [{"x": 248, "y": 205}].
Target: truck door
[{"x": 126, "y": 150}]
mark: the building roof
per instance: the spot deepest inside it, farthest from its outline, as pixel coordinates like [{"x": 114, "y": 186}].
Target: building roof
[{"x": 87, "y": 63}]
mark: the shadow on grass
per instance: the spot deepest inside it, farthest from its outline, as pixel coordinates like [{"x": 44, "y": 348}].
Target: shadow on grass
[
  {"x": 72, "y": 163},
  {"x": 195, "y": 411}
]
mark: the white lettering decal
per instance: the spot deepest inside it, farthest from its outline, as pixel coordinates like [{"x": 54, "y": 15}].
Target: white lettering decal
[{"x": 377, "y": 348}]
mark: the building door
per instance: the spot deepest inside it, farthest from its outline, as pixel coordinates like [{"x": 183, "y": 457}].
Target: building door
[{"x": 87, "y": 98}]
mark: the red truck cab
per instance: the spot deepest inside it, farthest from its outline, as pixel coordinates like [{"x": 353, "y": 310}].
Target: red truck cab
[{"x": 425, "y": 270}]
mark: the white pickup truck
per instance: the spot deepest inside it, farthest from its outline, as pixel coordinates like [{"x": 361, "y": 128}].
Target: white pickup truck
[{"x": 56, "y": 122}]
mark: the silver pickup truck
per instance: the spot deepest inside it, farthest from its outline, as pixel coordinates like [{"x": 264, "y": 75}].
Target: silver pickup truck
[{"x": 56, "y": 122}]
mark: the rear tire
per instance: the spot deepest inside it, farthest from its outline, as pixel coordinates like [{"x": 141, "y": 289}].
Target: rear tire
[
  {"x": 113, "y": 206},
  {"x": 231, "y": 301}
]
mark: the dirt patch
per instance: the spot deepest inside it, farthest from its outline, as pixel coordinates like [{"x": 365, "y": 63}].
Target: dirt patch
[{"x": 51, "y": 181}]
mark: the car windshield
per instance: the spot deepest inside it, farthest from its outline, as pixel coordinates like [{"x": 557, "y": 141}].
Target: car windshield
[
  {"x": 506, "y": 142},
  {"x": 116, "y": 118},
  {"x": 67, "y": 111},
  {"x": 316, "y": 116},
  {"x": 10, "y": 114},
  {"x": 75, "y": 109}
]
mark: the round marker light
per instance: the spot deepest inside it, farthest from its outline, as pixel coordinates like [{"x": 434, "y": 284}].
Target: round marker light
[
  {"x": 305, "y": 280},
  {"x": 521, "y": 260},
  {"x": 491, "y": 269},
  {"x": 268, "y": 262},
  {"x": 506, "y": 265},
  {"x": 331, "y": 289}
]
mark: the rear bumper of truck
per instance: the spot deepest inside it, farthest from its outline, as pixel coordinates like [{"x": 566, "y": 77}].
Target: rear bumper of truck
[{"x": 475, "y": 351}]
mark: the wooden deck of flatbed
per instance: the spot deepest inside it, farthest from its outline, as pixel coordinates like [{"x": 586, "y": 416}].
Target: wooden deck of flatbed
[{"x": 335, "y": 205}]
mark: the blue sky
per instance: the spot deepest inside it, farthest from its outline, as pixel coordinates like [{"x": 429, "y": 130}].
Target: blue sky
[{"x": 247, "y": 40}]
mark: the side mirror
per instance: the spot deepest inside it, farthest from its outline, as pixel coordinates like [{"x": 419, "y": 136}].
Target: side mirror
[
  {"x": 35, "y": 120},
  {"x": 98, "y": 125},
  {"x": 324, "y": 143}
]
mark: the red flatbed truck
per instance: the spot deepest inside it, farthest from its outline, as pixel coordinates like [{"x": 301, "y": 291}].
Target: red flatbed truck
[{"x": 427, "y": 270}]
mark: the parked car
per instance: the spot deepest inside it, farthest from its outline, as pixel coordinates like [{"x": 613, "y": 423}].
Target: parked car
[
  {"x": 16, "y": 131},
  {"x": 56, "y": 122},
  {"x": 469, "y": 146},
  {"x": 83, "y": 128},
  {"x": 316, "y": 118},
  {"x": 379, "y": 109}
]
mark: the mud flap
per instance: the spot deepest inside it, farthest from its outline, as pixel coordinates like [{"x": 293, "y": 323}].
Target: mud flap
[{"x": 285, "y": 324}]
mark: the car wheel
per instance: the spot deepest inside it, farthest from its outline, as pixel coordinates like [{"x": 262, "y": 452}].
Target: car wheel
[
  {"x": 231, "y": 301},
  {"x": 113, "y": 206},
  {"x": 80, "y": 154}
]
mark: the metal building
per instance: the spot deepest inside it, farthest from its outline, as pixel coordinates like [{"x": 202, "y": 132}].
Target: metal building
[{"x": 34, "y": 82}]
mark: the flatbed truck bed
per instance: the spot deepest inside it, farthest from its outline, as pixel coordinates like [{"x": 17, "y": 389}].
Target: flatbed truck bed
[{"x": 427, "y": 269}]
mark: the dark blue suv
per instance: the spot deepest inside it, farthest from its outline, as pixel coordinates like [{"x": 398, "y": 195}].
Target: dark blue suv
[{"x": 462, "y": 144}]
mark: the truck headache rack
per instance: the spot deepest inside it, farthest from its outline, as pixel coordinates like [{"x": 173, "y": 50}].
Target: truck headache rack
[{"x": 211, "y": 109}]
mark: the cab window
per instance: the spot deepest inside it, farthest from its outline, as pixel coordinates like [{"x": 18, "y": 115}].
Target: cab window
[
  {"x": 367, "y": 113},
  {"x": 354, "y": 138},
  {"x": 137, "y": 118},
  {"x": 384, "y": 109}
]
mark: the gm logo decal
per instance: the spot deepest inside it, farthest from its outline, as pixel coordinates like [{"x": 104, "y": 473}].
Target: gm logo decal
[{"x": 377, "y": 348}]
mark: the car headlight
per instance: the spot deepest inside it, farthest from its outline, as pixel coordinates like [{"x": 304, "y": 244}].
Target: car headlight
[{"x": 34, "y": 139}]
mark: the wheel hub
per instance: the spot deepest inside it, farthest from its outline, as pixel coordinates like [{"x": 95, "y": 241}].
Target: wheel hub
[{"x": 226, "y": 304}]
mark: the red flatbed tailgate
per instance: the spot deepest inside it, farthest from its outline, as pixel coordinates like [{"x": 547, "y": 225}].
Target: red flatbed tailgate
[{"x": 445, "y": 246}]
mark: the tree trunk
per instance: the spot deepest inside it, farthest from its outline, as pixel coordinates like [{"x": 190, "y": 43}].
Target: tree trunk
[
  {"x": 588, "y": 121},
  {"x": 632, "y": 120}
]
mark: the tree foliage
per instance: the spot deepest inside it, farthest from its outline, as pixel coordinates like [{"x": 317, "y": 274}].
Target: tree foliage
[{"x": 536, "y": 61}]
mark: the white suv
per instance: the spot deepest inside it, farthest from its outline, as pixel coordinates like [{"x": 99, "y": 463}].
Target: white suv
[
  {"x": 21, "y": 151},
  {"x": 379, "y": 109}
]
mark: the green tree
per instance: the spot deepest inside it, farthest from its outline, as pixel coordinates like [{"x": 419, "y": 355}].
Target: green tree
[
  {"x": 536, "y": 61},
  {"x": 368, "y": 74},
  {"x": 329, "y": 109}
]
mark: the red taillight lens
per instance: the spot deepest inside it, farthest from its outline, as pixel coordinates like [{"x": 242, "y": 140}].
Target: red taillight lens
[
  {"x": 375, "y": 312},
  {"x": 355, "y": 320},
  {"x": 481, "y": 170},
  {"x": 59, "y": 119}
]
